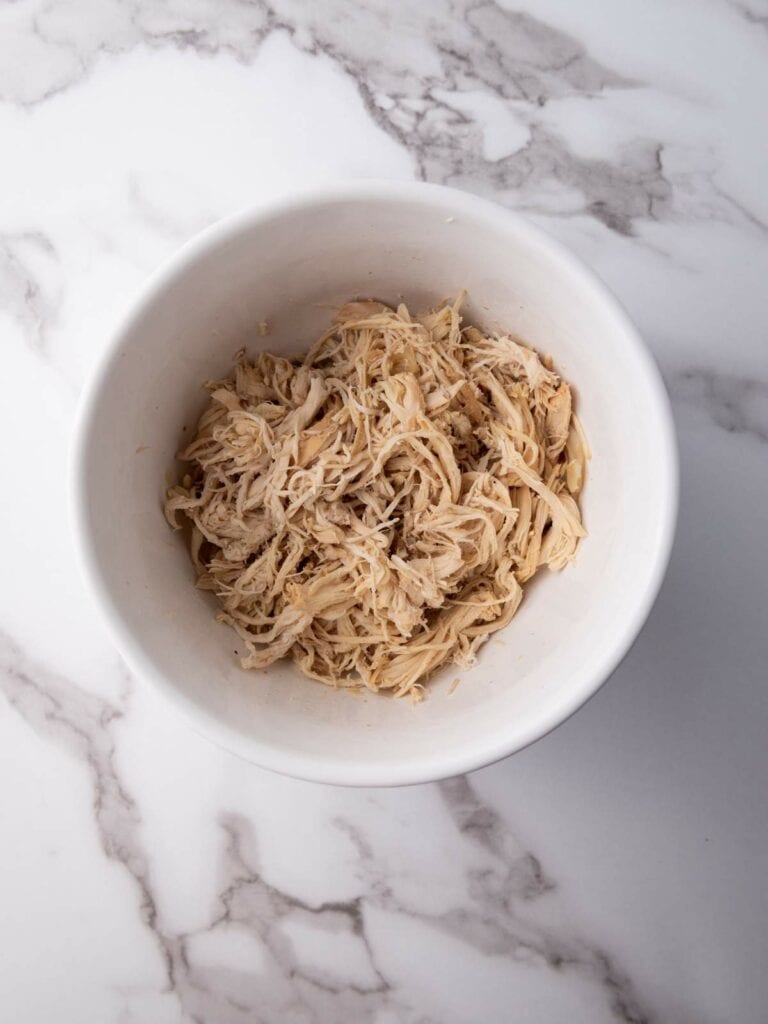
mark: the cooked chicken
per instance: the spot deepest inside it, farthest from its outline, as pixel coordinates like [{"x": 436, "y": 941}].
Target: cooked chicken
[{"x": 373, "y": 509}]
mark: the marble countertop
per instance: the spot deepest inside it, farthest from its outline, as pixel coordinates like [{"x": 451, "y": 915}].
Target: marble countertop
[{"x": 615, "y": 871}]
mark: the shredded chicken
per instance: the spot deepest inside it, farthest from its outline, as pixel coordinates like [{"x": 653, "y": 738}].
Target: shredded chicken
[{"x": 373, "y": 509}]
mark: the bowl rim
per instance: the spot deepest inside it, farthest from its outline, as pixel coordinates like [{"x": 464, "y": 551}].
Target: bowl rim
[{"x": 435, "y": 765}]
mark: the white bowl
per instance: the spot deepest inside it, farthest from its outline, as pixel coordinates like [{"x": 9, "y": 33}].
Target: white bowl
[{"x": 287, "y": 263}]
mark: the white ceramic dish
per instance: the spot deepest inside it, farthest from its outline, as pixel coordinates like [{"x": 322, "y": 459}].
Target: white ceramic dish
[{"x": 286, "y": 262}]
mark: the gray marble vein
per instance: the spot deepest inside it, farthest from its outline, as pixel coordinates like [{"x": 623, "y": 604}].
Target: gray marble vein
[
  {"x": 81, "y": 723},
  {"x": 162, "y": 223},
  {"x": 493, "y": 916},
  {"x": 753, "y": 11},
  {"x": 737, "y": 404},
  {"x": 30, "y": 283},
  {"x": 476, "y": 45},
  {"x": 422, "y": 96}
]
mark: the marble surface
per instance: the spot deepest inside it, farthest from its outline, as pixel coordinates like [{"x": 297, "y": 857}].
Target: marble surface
[{"x": 616, "y": 871}]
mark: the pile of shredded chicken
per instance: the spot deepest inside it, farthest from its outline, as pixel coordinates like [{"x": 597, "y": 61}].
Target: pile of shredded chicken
[{"x": 373, "y": 509}]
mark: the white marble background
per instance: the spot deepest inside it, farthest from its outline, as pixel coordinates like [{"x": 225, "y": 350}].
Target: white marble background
[{"x": 616, "y": 871}]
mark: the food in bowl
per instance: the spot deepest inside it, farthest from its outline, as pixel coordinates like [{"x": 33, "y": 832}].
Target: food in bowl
[{"x": 373, "y": 509}]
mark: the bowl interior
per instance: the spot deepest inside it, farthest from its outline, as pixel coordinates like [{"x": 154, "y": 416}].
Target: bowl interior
[{"x": 289, "y": 266}]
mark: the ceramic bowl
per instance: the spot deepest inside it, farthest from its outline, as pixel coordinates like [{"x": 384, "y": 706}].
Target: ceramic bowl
[{"x": 288, "y": 262}]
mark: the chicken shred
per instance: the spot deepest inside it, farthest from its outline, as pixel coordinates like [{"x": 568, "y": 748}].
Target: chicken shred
[{"x": 373, "y": 509}]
